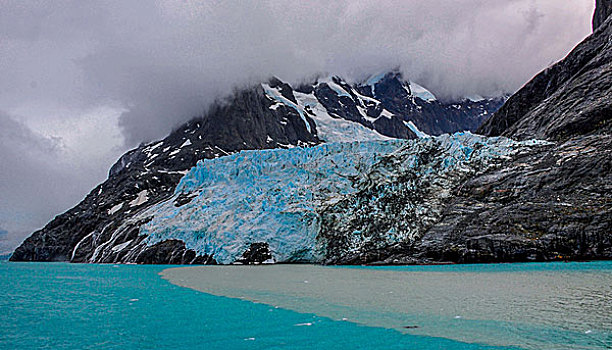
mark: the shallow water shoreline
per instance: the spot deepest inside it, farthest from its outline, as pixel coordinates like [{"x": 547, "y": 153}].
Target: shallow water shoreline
[{"x": 518, "y": 304}]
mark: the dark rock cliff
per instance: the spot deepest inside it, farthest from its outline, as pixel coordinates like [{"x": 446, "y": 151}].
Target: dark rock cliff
[
  {"x": 555, "y": 203},
  {"x": 552, "y": 204},
  {"x": 603, "y": 10},
  {"x": 573, "y": 97}
]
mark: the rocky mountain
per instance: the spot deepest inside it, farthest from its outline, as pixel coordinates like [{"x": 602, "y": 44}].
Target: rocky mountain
[
  {"x": 603, "y": 9},
  {"x": 339, "y": 173},
  {"x": 553, "y": 203},
  {"x": 573, "y": 97},
  {"x": 267, "y": 116}
]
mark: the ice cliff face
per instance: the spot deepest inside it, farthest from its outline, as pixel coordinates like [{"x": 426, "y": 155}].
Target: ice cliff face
[
  {"x": 269, "y": 197},
  {"x": 316, "y": 204}
]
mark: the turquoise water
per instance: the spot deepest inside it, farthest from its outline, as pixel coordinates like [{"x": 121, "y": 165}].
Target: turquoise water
[
  {"x": 70, "y": 306},
  {"x": 549, "y": 306}
]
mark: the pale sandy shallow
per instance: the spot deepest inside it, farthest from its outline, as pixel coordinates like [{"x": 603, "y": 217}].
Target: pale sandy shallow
[{"x": 496, "y": 308}]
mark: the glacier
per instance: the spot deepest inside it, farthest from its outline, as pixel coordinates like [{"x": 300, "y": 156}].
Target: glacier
[{"x": 299, "y": 200}]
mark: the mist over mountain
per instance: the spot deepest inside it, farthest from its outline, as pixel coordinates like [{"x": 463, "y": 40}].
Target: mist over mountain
[{"x": 165, "y": 62}]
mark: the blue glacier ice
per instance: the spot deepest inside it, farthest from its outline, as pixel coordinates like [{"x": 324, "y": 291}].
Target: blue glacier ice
[{"x": 275, "y": 196}]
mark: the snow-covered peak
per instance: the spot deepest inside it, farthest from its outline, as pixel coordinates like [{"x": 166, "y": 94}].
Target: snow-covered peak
[
  {"x": 334, "y": 86},
  {"x": 421, "y": 92},
  {"x": 475, "y": 98}
]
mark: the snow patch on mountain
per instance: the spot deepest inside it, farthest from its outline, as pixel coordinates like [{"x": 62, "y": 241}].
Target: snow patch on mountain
[
  {"x": 140, "y": 199},
  {"x": 421, "y": 92},
  {"x": 275, "y": 95},
  {"x": 337, "y": 88},
  {"x": 334, "y": 129},
  {"x": 415, "y": 130},
  {"x": 475, "y": 98}
]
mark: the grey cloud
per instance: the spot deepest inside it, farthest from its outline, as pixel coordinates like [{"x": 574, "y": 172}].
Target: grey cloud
[
  {"x": 165, "y": 61},
  {"x": 36, "y": 181}
]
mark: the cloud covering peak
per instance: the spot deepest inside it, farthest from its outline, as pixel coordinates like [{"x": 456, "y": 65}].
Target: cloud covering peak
[{"x": 163, "y": 62}]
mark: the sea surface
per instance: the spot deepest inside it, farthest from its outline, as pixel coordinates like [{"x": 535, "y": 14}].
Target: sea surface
[{"x": 530, "y": 306}]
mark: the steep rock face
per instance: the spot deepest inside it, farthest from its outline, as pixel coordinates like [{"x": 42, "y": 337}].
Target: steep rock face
[
  {"x": 603, "y": 10},
  {"x": 573, "y": 97},
  {"x": 551, "y": 203}
]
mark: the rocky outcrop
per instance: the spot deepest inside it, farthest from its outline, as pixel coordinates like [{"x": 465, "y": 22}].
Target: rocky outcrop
[
  {"x": 552, "y": 203},
  {"x": 603, "y": 10},
  {"x": 573, "y": 97}
]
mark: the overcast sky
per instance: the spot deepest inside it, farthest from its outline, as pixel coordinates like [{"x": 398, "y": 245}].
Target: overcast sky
[{"x": 83, "y": 81}]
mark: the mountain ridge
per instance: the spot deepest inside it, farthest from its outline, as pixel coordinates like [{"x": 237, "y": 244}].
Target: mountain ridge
[
  {"x": 253, "y": 118},
  {"x": 209, "y": 194}
]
